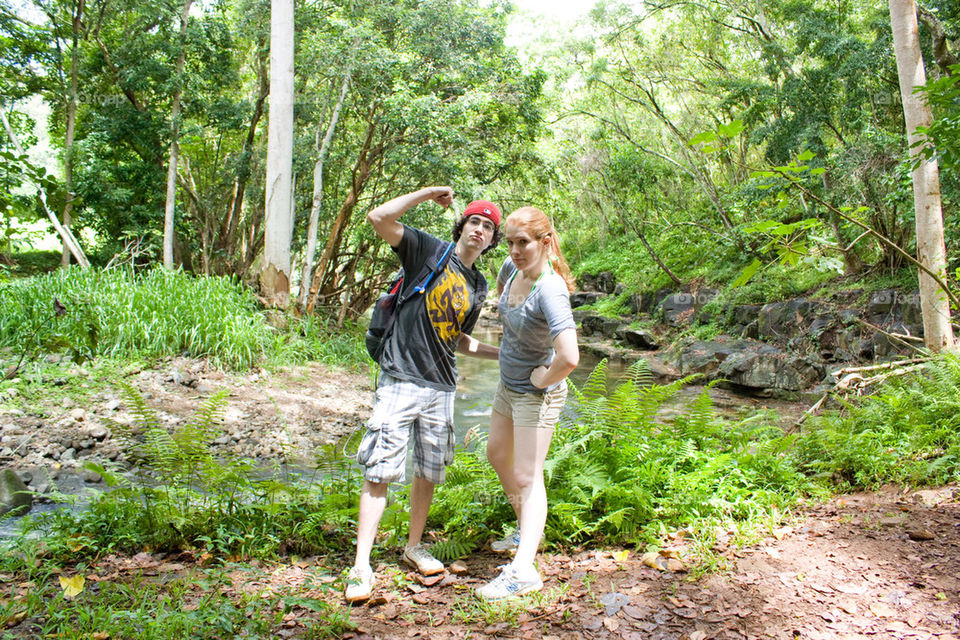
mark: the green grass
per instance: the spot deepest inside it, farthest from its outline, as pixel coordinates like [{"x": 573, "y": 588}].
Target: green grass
[
  {"x": 201, "y": 603},
  {"x": 113, "y": 313}
]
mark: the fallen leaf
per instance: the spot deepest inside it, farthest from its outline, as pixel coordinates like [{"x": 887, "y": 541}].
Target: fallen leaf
[
  {"x": 15, "y": 619},
  {"x": 612, "y": 624},
  {"x": 920, "y": 535},
  {"x": 429, "y": 581},
  {"x": 72, "y": 587}
]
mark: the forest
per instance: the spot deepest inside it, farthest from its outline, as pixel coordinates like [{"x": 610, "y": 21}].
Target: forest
[{"x": 759, "y": 202}]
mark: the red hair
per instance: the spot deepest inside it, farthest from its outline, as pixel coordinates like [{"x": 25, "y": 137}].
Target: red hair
[{"x": 538, "y": 225}]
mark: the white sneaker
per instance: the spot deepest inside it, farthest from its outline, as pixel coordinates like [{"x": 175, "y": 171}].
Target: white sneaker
[
  {"x": 509, "y": 585},
  {"x": 359, "y": 584},
  {"x": 508, "y": 543},
  {"x": 421, "y": 560}
]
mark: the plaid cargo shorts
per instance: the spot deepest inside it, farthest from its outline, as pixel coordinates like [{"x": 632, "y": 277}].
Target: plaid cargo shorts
[{"x": 397, "y": 408}]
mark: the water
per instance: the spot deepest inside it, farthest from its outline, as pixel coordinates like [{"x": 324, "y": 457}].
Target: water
[{"x": 474, "y": 400}]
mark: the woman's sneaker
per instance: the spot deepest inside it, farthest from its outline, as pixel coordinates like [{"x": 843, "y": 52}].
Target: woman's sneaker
[
  {"x": 508, "y": 543},
  {"x": 421, "y": 560},
  {"x": 509, "y": 585},
  {"x": 359, "y": 584}
]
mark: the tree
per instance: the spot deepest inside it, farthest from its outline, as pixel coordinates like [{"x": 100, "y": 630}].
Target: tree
[
  {"x": 170, "y": 208},
  {"x": 931, "y": 252},
  {"x": 275, "y": 272}
]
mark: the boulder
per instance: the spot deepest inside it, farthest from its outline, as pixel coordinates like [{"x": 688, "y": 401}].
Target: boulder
[
  {"x": 610, "y": 327},
  {"x": 756, "y": 370},
  {"x": 706, "y": 356},
  {"x": 678, "y": 308},
  {"x": 15, "y": 497},
  {"x": 581, "y": 298},
  {"x": 591, "y": 324},
  {"x": 638, "y": 339}
]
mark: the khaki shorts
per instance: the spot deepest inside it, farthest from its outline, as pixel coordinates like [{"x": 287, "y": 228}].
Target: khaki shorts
[{"x": 531, "y": 409}]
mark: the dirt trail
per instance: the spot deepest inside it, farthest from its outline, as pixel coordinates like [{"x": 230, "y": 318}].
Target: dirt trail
[{"x": 872, "y": 565}]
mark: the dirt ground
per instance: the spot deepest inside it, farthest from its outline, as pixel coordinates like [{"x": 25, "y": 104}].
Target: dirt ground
[{"x": 870, "y": 565}]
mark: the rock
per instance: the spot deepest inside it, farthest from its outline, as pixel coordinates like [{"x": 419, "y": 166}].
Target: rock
[
  {"x": 639, "y": 339},
  {"x": 610, "y": 327},
  {"x": 69, "y": 454},
  {"x": 96, "y": 431},
  {"x": 758, "y": 370},
  {"x": 591, "y": 324},
  {"x": 881, "y": 302},
  {"x": 706, "y": 356},
  {"x": 91, "y": 477},
  {"x": 78, "y": 414},
  {"x": 15, "y": 497},
  {"x": 581, "y": 298},
  {"x": 678, "y": 308}
]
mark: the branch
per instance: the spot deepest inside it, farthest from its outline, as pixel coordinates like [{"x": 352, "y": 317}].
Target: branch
[{"x": 876, "y": 234}]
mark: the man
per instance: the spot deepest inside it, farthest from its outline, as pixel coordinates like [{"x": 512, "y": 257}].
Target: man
[{"x": 418, "y": 373}]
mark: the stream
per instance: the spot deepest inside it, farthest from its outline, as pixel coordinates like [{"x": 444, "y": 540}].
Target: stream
[{"x": 473, "y": 406}]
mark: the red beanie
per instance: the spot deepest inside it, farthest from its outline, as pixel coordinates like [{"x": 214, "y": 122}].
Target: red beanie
[{"x": 483, "y": 208}]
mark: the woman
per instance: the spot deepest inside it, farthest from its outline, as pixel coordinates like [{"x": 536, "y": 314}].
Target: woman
[{"x": 538, "y": 351}]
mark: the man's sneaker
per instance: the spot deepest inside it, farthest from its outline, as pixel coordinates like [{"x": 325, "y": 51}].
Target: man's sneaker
[
  {"x": 421, "y": 560},
  {"x": 359, "y": 584},
  {"x": 508, "y": 543},
  {"x": 508, "y": 585}
]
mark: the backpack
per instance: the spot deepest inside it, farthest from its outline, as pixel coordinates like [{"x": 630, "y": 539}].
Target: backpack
[{"x": 388, "y": 305}]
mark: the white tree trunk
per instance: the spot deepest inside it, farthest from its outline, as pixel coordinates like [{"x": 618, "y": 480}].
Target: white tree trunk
[
  {"x": 307, "y": 274},
  {"x": 931, "y": 252},
  {"x": 64, "y": 232},
  {"x": 71, "y": 126},
  {"x": 275, "y": 275},
  {"x": 170, "y": 209}
]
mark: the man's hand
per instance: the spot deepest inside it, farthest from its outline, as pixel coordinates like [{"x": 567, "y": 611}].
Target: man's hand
[
  {"x": 384, "y": 217},
  {"x": 443, "y": 196}
]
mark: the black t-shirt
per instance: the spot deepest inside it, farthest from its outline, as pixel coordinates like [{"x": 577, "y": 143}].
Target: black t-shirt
[{"x": 421, "y": 347}]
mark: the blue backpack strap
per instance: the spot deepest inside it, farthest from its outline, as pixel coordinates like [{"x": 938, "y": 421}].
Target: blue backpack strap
[{"x": 434, "y": 270}]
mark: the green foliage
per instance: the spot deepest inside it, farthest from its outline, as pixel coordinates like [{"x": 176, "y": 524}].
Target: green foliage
[
  {"x": 184, "y": 495},
  {"x": 117, "y": 314},
  {"x": 619, "y": 474},
  {"x": 907, "y": 433}
]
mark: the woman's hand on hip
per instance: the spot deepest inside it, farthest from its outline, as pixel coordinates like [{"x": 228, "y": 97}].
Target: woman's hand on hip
[{"x": 538, "y": 377}]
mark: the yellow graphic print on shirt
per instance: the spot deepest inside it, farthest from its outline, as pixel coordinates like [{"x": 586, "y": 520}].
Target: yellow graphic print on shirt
[{"x": 447, "y": 306}]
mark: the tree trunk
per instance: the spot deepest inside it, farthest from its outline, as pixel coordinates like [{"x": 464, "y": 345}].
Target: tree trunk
[
  {"x": 931, "y": 252},
  {"x": 170, "y": 209},
  {"x": 65, "y": 234},
  {"x": 228, "y": 230},
  {"x": 318, "y": 195},
  {"x": 361, "y": 172},
  {"x": 71, "y": 127},
  {"x": 278, "y": 230}
]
